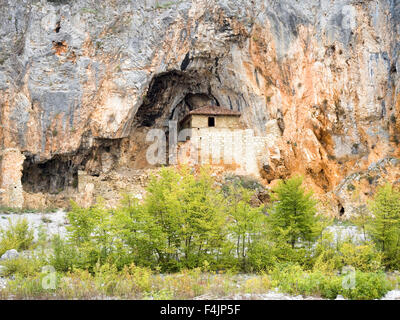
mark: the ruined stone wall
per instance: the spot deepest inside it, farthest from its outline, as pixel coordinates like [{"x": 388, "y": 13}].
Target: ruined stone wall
[
  {"x": 111, "y": 187},
  {"x": 236, "y": 149},
  {"x": 11, "y": 161}
]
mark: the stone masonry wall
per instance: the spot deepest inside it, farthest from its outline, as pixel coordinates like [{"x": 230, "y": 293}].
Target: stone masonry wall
[
  {"x": 11, "y": 162},
  {"x": 239, "y": 149}
]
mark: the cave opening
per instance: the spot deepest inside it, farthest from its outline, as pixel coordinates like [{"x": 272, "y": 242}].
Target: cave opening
[
  {"x": 172, "y": 95},
  {"x": 58, "y": 27},
  {"x": 341, "y": 210},
  {"x": 60, "y": 173},
  {"x": 52, "y": 176}
]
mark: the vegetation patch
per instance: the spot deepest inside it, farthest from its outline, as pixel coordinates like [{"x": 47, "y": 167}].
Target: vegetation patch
[{"x": 190, "y": 237}]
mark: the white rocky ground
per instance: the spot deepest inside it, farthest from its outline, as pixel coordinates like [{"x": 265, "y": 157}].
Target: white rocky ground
[
  {"x": 53, "y": 222},
  {"x": 343, "y": 232},
  {"x": 276, "y": 295}
]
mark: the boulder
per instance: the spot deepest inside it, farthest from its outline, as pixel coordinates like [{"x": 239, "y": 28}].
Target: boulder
[{"x": 9, "y": 255}]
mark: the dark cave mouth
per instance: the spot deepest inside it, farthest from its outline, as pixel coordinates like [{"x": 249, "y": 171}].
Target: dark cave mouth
[
  {"x": 52, "y": 176},
  {"x": 172, "y": 94},
  {"x": 60, "y": 173},
  {"x": 341, "y": 211}
]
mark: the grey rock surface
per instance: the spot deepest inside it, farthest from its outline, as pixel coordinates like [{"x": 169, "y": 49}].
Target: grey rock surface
[
  {"x": 9, "y": 255},
  {"x": 76, "y": 73}
]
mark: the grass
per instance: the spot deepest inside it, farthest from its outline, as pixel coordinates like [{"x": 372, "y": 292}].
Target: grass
[
  {"x": 140, "y": 283},
  {"x": 134, "y": 283}
]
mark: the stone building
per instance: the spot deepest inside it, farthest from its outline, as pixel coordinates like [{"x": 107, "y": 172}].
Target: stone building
[
  {"x": 215, "y": 135},
  {"x": 212, "y": 118}
]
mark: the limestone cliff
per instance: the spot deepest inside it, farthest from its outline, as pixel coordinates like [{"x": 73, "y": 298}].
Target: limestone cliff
[{"x": 82, "y": 82}]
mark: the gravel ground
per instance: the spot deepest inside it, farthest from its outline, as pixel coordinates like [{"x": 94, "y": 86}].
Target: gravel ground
[
  {"x": 346, "y": 232},
  {"x": 276, "y": 295},
  {"x": 53, "y": 222}
]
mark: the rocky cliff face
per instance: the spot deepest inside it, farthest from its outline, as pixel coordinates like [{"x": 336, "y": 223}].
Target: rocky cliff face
[{"x": 82, "y": 82}]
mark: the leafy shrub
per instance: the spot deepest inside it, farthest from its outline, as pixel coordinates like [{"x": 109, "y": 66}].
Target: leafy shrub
[
  {"x": 17, "y": 236},
  {"x": 181, "y": 223},
  {"x": 261, "y": 256},
  {"x": 92, "y": 232},
  {"x": 23, "y": 266},
  {"x": 64, "y": 257},
  {"x": 293, "y": 280},
  {"x": 368, "y": 286},
  {"x": 131, "y": 280},
  {"x": 247, "y": 226},
  {"x": 330, "y": 257},
  {"x": 260, "y": 284},
  {"x": 362, "y": 257},
  {"x": 326, "y": 257}
]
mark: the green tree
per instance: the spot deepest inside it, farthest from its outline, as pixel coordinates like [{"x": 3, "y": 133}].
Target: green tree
[
  {"x": 247, "y": 223},
  {"x": 163, "y": 206},
  {"x": 293, "y": 214},
  {"x": 138, "y": 231},
  {"x": 188, "y": 210},
  {"x": 202, "y": 209},
  {"x": 362, "y": 218},
  {"x": 91, "y": 230},
  {"x": 384, "y": 228}
]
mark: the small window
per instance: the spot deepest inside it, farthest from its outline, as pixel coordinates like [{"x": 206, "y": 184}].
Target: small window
[{"x": 211, "y": 121}]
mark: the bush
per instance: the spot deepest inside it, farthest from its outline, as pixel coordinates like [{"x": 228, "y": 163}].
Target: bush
[
  {"x": 330, "y": 257},
  {"x": 185, "y": 221},
  {"x": 17, "y": 236},
  {"x": 368, "y": 286},
  {"x": 260, "y": 284},
  {"x": 92, "y": 233},
  {"x": 261, "y": 256},
  {"x": 247, "y": 227},
  {"x": 23, "y": 266},
  {"x": 64, "y": 257},
  {"x": 292, "y": 279},
  {"x": 362, "y": 257}
]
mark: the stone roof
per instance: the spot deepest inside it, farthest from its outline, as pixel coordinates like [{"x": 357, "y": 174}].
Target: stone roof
[{"x": 214, "y": 111}]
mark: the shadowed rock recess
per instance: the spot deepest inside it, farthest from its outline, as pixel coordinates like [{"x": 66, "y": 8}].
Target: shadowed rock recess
[{"x": 82, "y": 82}]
